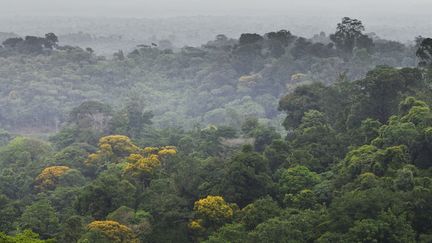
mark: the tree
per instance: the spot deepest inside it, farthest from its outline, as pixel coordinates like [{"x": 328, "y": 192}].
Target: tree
[
  {"x": 213, "y": 210},
  {"x": 264, "y": 137},
  {"x": 24, "y": 152},
  {"x": 246, "y": 39},
  {"x": 246, "y": 177},
  {"x": 304, "y": 98},
  {"x": 387, "y": 228},
  {"x": 247, "y": 56},
  {"x": 141, "y": 168},
  {"x": 112, "y": 149},
  {"x": 295, "y": 179},
  {"x": 283, "y": 36},
  {"x": 74, "y": 156},
  {"x": 362, "y": 204},
  {"x": 131, "y": 120},
  {"x": 49, "y": 177},
  {"x": 12, "y": 42},
  {"x": 379, "y": 94},
  {"x": 72, "y": 230},
  {"x": 170, "y": 209},
  {"x": 111, "y": 230},
  {"x": 138, "y": 222},
  {"x": 369, "y": 130},
  {"x": 258, "y": 212},
  {"x": 21, "y": 160},
  {"x": 278, "y": 41},
  {"x": 277, "y": 153},
  {"x": 27, "y": 236},
  {"x": 51, "y": 40},
  {"x": 234, "y": 233},
  {"x": 91, "y": 115},
  {"x": 276, "y": 230},
  {"x": 315, "y": 142},
  {"x": 104, "y": 195},
  {"x": 368, "y": 158},
  {"x": 41, "y": 218},
  {"x": 424, "y": 52},
  {"x": 349, "y": 34}
]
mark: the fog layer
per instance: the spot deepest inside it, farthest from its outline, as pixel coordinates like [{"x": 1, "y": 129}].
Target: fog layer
[{"x": 148, "y": 8}]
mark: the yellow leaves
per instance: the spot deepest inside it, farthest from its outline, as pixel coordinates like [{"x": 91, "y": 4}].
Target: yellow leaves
[
  {"x": 115, "y": 148},
  {"x": 113, "y": 230},
  {"x": 151, "y": 150},
  {"x": 49, "y": 176},
  {"x": 112, "y": 148},
  {"x": 106, "y": 148},
  {"x": 138, "y": 165},
  {"x": 169, "y": 147},
  {"x": 133, "y": 158},
  {"x": 119, "y": 144},
  {"x": 196, "y": 225},
  {"x": 141, "y": 166},
  {"x": 210, "y": 212},
  {"x": 213, "y": 208},
  {"x": 167, "y": 150}
]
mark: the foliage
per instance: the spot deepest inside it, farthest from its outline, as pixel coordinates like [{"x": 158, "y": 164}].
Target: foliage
[
  {"x": 27, "y": 236},
  {"x": 186, "y": 145},
  {"x": 213, "y": 209},
  {"x": 41, "y": 218},
  {"x": 49, "y": 177},
  {"x": 114, "y": 231}
]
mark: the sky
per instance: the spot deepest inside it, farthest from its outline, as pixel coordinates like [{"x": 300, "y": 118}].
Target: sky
[{"x": 170, "y": 8}]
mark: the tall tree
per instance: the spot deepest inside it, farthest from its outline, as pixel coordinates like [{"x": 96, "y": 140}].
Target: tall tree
[
  {"x": 424, "y": 52},
  {"x": 349, "y": 34}
]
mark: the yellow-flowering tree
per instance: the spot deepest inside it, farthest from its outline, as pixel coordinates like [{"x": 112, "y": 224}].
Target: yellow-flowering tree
[
  {"x": 137, "y": 221},
  {"x": 114, "y": 149},
  {"x": 167, "y": 150},
  {"x": 142, "y": 166},
  {"x": 210, "y": 213},
  {"x": 112, "y": 230},
  {"x": 213, "y": 209},
  {"x": 49, "y": 177}
]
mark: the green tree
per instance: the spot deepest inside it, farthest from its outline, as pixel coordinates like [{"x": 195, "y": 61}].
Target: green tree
[
  {"x": 246, "y": 177},
  {"x": 105, "y": 194},
  {"x": 424, "y": 52},
  {"x": 297, "y": 178},
  {"x": 303, "y": 99},
  {"x": 27, "y": 236},
  {"x": 276, "y": 230},
  {"x": 259, "y": 211},
  {"x": 349, "y": 34},
  {"x": 387, "y": 228},
  {"x": 41, "y": 218},
  {"x": 72, "y": 229},
  {"x": 234, "y": 233}
]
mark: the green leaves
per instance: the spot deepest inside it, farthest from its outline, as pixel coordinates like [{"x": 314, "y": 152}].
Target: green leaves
[{"x": 41, "y": 218}]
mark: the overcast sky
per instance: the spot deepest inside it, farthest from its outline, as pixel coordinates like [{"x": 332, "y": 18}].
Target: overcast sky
[{"x": 164, "y": 8}]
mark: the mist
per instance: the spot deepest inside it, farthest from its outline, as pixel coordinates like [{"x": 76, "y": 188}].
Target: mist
[
  {"x": 215, "y": 121},
  {"x": 170, "y": 8}
]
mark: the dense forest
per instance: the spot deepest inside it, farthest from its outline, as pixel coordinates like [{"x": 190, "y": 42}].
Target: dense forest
[{"x": 266, "y": 138}]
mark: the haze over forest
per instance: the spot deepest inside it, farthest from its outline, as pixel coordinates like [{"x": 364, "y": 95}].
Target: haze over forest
[
  {"x": 164, "y": 8},
  {"x": 200, "y": 20},
  {"x": 241, "y": 121}
]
